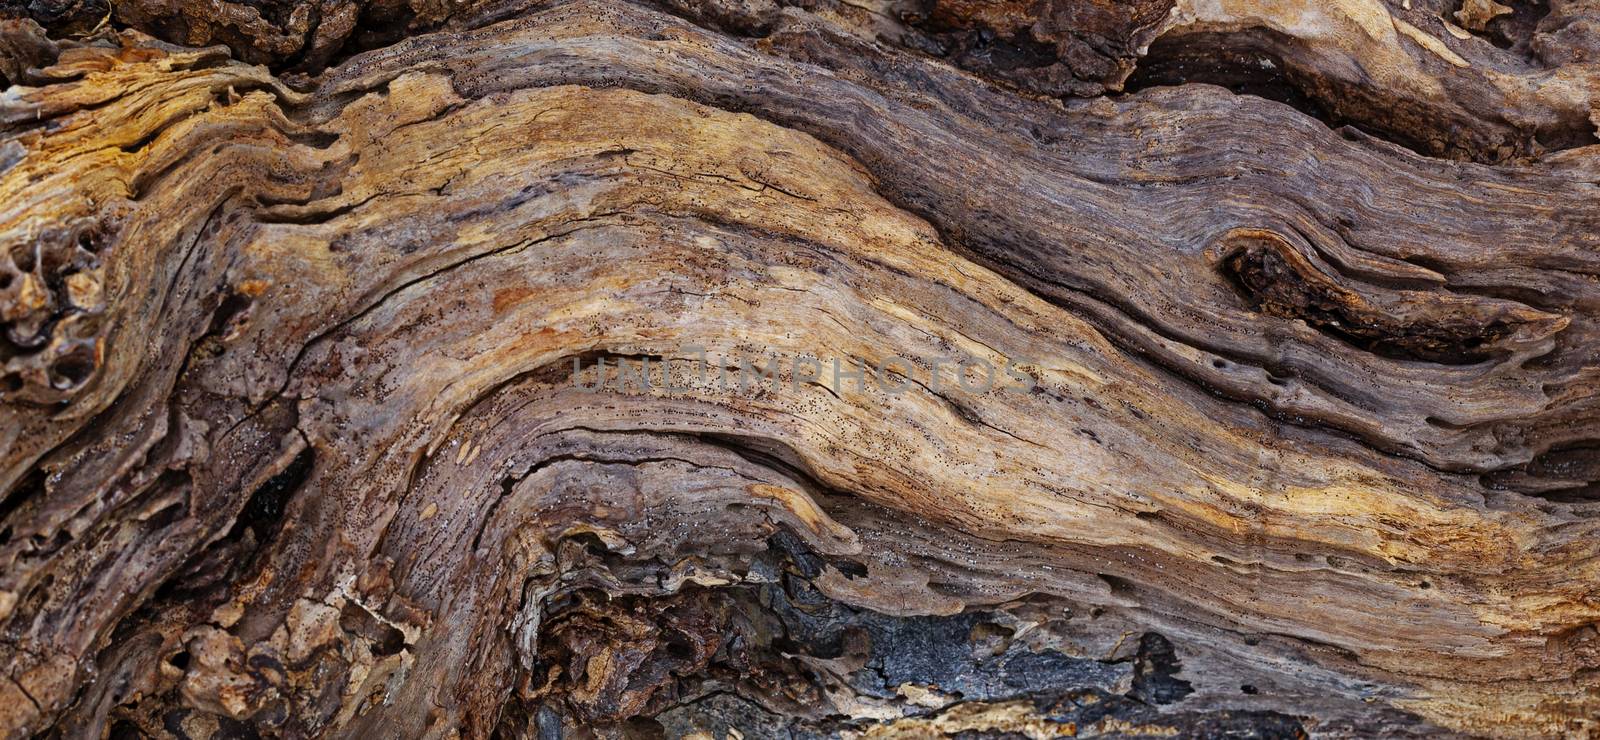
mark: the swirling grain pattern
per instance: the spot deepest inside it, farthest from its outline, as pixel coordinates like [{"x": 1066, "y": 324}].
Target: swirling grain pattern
[{"x": 739, "y": 368}]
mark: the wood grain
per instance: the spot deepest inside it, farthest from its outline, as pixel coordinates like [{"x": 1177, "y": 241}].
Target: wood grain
[{"x": 306, "y": 428}]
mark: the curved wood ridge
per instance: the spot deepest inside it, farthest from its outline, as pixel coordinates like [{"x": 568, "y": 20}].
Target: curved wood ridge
[{"x": 367, "y": 374}]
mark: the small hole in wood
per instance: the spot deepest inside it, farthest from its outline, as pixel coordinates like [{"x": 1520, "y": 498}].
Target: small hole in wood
[
  {"x": 73, "y": 369},
  {"x": 24, "y": 258}
]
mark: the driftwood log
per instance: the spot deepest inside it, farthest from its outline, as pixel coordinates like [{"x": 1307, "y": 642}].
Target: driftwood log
[{"x": 1205, "y": 368}]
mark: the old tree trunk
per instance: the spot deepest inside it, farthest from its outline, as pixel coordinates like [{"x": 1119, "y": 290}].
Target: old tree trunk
[{"x": 305, "y": 307}]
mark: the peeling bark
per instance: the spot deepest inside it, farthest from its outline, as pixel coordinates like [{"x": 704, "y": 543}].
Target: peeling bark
[{"x": 364, "y": 369}]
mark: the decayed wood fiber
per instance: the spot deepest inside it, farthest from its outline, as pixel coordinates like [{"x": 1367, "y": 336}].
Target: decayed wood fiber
[{"x": 302, "y": 432}]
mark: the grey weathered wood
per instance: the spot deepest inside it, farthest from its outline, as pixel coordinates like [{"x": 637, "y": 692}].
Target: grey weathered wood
[{"x": 292, "y": 438}]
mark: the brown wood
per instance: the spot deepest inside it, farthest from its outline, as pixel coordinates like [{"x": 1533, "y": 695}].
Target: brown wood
[{"x": 304, "y": 430}]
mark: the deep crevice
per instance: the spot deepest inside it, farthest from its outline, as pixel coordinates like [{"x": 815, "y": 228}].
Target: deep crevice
[{"x": 262, "y": 514}]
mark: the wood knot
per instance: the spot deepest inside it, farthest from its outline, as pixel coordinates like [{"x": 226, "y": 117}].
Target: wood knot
[{"x": 1437, "y": 326}]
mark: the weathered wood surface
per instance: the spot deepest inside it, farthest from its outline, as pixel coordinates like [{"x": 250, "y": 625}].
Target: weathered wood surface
[{"x": 293, "y": 440}]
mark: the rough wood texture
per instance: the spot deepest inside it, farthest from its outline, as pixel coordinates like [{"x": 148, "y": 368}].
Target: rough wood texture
[{"x": 304, "y": 429}]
